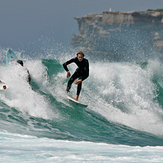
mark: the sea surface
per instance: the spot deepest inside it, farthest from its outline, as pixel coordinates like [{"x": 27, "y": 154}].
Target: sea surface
[{"x": 122, "y": 123}]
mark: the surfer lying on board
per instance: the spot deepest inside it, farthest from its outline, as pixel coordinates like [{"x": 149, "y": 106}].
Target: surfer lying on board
[
  {"x": 21, "y": 63},
  {"x": 82, "y": 72}
]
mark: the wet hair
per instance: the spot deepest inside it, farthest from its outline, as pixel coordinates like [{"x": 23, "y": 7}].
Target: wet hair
[
  {"x": 20, "y": 62},
  {"x": 80, "y": 53}
]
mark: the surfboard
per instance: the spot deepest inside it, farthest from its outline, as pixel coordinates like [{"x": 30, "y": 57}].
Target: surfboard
[
  {"x": 76, "y": 102},
  {"x": 10, "y": 57},
  {"x": 3, "y": 86}
]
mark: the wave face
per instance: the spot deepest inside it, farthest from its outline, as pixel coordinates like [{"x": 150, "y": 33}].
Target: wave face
[{"x": 124, "y": 102}]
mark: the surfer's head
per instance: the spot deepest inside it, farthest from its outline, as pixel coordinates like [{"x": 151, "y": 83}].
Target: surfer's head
[
  {"x": 80, "y": 56},
  {"x": 20, "y": 62}
]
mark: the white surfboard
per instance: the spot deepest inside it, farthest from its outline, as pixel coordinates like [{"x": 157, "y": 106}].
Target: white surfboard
[
  {"x": 3, "y": 86},
  {"x": 76, "y": 102}
]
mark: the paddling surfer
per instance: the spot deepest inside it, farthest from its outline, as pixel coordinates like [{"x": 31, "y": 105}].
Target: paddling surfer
[{"x": 82, "y": 72}]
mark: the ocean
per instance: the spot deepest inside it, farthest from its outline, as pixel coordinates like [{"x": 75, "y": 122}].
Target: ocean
[{"x": 122, "y": 123}]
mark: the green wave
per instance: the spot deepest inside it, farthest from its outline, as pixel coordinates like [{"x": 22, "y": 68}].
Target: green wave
[{"x": 71, "y": 122}]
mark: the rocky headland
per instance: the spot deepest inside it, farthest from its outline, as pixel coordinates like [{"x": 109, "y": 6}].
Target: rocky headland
[{"x": 121, "y": 35}]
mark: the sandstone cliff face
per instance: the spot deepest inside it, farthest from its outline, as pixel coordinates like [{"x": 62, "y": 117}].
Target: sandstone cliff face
[{"x": 120, "y": 35}]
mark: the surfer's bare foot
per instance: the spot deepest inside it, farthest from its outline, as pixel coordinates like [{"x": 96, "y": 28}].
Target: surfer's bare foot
[{"x": 76, "y": 98}]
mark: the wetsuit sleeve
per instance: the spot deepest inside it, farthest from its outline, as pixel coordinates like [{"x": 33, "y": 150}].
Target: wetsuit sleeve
[
  {"x": 86, "y": 69},
  {"x": 67, "y": 63}
]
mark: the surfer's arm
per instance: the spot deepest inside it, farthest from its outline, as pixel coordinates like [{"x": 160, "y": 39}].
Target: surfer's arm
[
  {"x": 86, "y": 74},
  {"x": 66, "y": 68},
  {"x": 29, "y": 77},
  {"x": 67, "y": 63}
]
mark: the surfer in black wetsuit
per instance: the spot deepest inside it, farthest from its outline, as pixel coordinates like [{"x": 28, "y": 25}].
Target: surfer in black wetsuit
[
  {"x": 21, "y": 63},
  {"x": 82, "y": 72}
]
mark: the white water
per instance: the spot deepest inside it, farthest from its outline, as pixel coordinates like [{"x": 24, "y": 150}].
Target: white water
[
  {"x": 20, "y": 148},
  {"x": 20, "y": 94},
  {"x": 124, "y": 93}
]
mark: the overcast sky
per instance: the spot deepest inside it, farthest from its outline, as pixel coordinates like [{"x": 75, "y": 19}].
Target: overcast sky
[{"x": 23, "y": 22}]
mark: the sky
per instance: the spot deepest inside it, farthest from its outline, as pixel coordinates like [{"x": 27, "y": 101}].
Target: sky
[{"x": 24, "y": 22}]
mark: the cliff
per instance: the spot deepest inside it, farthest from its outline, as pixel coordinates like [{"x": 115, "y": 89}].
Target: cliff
[{"x": 120, "y": 35}]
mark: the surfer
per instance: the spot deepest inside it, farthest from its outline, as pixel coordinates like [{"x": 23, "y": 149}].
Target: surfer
[
  {"x": 21, "y": 63},
  {"x": 82, "y": 72}
]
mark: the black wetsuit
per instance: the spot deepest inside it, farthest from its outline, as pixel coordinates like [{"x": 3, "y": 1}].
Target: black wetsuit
[{"x": 82, "y": 72}]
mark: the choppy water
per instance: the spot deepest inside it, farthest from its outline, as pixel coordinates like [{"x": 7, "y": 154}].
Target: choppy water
[{"x": 122, "y": 123}]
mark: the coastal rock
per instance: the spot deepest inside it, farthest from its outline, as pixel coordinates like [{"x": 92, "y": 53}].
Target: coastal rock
[{"x": 120, "y": 35}]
